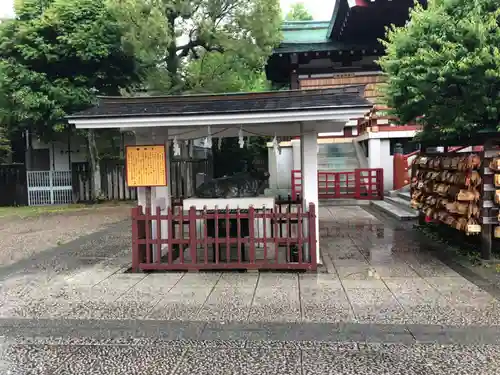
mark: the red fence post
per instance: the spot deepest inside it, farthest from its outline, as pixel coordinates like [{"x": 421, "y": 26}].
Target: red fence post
[
  {"x": 357, "y": 183},
  {"x": 193, "y": 243},
  {"x": 251, "y": 229},
  {"x": 159, "y": 235},
  {"x": 380, "y": 183},
  {"x": 300, "y": 233},
  {"x": 136, "y": 211},
  {"x": 312, "y": 235},
  {"x": 149, "y": 242}
]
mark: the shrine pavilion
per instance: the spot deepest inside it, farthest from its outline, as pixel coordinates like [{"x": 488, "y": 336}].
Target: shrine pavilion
[{"x": 201, "y": 233}]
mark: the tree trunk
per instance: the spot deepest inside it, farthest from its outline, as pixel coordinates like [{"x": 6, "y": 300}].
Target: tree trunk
[
  {"x": 29, "y": 149},
  {"x": 172, "y": 59},
  {"x": 95, "y": 167}
]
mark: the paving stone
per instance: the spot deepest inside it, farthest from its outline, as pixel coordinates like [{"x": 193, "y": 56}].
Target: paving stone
[
  {"x": 299, "y": 345},
  {"x": 440, "y": 334},
  {"x": 33, "y": 359},
  {"x": 463, "y": 360},
  {"x": 156, "y": 284},
  {"x": 245, "y": 280},
  {"x": 275, "y": 306},
  {"x": 313, "y": 282},
  {"x": 434, "y": 269},
  {"x": 376, "y": 306},
  {"x": 361, "y": 271},
  {"x": 410, "y": 292},
  {"x": 180, "y": 306},
  {"x": 442, "y": 313},
  {"x": 325, "y": 361},
  {"x": 325, "y": 303},
  {"x": 276, "y": 299},
  {"x": 240, "y": 361},
  {"x": 186, "y": 299},
  {"x": 94, "y": 360},
  {"x": 395, "y": 269},
  {"x": 227, "y": 303}
]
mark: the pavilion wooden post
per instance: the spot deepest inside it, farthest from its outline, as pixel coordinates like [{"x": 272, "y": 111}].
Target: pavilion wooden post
[
  {"x": 157, "y": 196},
  {"x": 161, "y": 194},
  {"x": 309, "y": 168},
  {"x": 143, "y": 195}
]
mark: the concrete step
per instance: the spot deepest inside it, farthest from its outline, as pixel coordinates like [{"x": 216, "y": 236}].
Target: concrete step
[
  {"x": 405, "y": 195},
  {"x": 338, "y": 158},
  {"x": 395, "y": 210},
  {"x": 339, "y": 170},
  {"x": 395, "y": 193},
  {"x": 405, "y": 188},
  {"x": 398, "y": 201},
  {"x": 327, "y": 166}
]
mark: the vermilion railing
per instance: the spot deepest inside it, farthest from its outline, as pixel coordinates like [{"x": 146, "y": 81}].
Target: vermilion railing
[
  {"x": 401, "y": 169},
  {"x": 280, "y": 237},
  {"x": 367, "y": 183}
]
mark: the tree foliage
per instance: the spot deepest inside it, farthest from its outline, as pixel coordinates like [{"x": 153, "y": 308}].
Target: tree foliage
[
  {"x": 201, "y": 45},
  {"x": 298, "y": 12},
  {"x": 443, "y": 67},
  {"x": 221, "y": 72},
  {"x": 5, "y": 149},
  {"x": 55, "y": 57}
]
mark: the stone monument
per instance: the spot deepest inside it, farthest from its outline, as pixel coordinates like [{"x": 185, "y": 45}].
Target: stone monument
[{"x": 239, "y": 185}]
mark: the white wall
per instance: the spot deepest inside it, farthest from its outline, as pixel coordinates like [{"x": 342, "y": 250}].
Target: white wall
[
  {"x": 379, "y": 156},
  {"x": 60, "y": 159},
  {"x": 386, "y": 162},
  {"x": 280, "y": 167},
  {"x": 58, "y": 151}
]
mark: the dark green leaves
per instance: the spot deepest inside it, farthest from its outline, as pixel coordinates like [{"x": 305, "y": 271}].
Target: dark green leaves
[
  {"x": 445, "y": 66},
  {"x": 55, "y": 57}
]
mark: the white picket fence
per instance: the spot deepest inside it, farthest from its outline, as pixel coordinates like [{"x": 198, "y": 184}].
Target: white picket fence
[{"x": 49, "y": 188}]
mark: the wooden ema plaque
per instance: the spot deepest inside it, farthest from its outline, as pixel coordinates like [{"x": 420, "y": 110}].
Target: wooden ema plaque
[{"x": 146, "y": 165}]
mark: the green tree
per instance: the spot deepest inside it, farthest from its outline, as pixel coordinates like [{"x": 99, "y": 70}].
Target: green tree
[
  {"x": 223, "y": 72},
  {"x": 298, "y": 12},
  {"x": 54, "y": 58},
  {"x": 4, "y": 145},
  {"x": 201, "y": 45},
  {"x": 443, "y": 67}
]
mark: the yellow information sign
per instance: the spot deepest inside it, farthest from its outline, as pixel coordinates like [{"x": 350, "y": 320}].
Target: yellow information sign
[{"x": 146, "y": 166}]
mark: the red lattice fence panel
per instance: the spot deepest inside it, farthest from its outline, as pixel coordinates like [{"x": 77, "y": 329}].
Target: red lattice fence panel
[
  {"x": 365, "y": 184},
  {"x": 282, "y": 237}
]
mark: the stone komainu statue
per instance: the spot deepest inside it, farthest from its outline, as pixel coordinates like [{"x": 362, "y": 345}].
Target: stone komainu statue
[{"x": 239, "y": 185}]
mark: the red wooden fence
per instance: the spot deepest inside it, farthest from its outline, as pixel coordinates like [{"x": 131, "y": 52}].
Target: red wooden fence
[
  {"x": 280, "y": 238},
  {"x": 358, "y": 184}
]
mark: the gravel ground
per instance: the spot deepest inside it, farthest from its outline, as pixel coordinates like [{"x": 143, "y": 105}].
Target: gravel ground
[{"x": 22, "y": 239}]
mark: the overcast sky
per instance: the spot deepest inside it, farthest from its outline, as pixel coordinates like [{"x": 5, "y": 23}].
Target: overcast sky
[{"x": 320, "y": 9}]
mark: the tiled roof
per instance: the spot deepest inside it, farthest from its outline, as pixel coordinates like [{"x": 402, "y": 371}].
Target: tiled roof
[
  {"x": 323, "y": 47},
  {"x": 345, "y": 97},
  {"x": 304, "y": 31}
]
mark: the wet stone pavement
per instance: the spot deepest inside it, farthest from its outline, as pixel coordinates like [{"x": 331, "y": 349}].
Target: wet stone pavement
[{"x": 383, "y": 304}]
